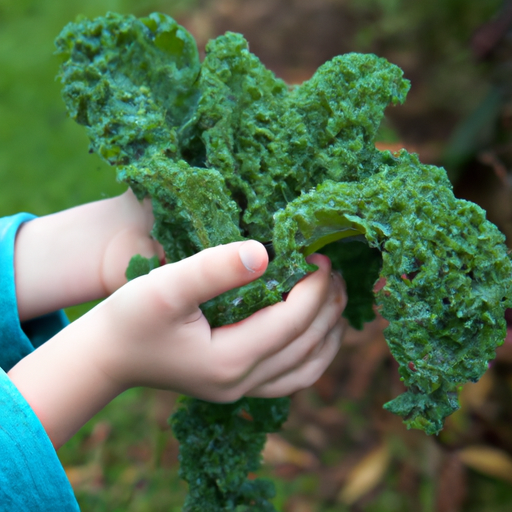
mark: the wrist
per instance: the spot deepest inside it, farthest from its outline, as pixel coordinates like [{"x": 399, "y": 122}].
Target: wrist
[{"x": 63, "y": 382}]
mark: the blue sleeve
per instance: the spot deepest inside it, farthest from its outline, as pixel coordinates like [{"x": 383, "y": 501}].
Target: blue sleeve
[
  {"x": 18, "y": 340},
  {"x": 31, "y": 475}
]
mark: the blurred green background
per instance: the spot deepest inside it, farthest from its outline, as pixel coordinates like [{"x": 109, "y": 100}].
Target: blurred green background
[
  {"x": 44, "y": 163},
  {"x": 340, "y": 451}
]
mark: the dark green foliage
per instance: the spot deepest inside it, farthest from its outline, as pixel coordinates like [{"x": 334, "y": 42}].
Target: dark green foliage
[
  {"x": 140, "y": 266},
  {"x": 447, "y": 276},
  {"x": 360, "y": 266},
  {"x": 227, "y": 151},
  {"x": 129, "y": 111},
  {"x": 219, "y": 445}
]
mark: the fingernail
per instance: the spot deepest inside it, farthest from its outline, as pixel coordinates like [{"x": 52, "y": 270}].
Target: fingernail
[{"x": 249, "y": 256}]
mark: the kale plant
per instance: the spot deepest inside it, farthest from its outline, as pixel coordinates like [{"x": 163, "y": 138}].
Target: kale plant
[{"x": 228, "y": 152}]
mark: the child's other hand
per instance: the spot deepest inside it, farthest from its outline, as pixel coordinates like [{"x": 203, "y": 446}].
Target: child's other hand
[
  {"x": 80, "y": 254},
  {"x": 153, "y": 333},
  {"x": 131, "y": 237}
]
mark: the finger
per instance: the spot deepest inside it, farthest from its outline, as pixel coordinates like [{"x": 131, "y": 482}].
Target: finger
[
  {"x": 302, "y": 349},
  {"x": 195, "y": 280},
  {"x": 308, "y": 372},
  {"x": 305, "y": 346},
  {"x": 269, "y": 330}
]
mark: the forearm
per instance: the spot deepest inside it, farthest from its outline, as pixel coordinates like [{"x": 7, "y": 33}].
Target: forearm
[
  {"x": 152, "y": 333},
  {"x": 62, "y": 382},
  {"x": 79, "y": 254}
]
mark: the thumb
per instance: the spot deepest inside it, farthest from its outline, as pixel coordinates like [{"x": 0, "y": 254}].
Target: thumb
[{"x": 199, "y": 278}]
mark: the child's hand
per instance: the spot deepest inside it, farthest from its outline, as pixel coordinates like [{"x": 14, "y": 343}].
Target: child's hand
[
  {"x": 151, "y": 332},
  {"x": 80, "y": 254},
  {"x": 157, "y": 336},
  {"x": 132, "y": 236}
]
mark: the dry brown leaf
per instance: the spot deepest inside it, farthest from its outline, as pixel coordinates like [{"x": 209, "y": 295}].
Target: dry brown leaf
[
  {"x": 278, "y": 451},
  {"x": 366, "y": 475},
  {"x": 487, "y": 460}
]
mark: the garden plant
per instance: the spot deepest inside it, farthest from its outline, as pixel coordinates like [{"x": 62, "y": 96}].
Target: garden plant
[{"x": 229, "y": 152}]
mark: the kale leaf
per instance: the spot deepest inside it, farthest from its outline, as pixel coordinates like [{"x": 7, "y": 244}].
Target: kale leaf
[{"x": 228, "y": 152}]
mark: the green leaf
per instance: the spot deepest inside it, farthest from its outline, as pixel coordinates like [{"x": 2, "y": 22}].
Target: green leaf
[
  {"x": 227, "y": 152},
  {"x": 139, "y": 266}
]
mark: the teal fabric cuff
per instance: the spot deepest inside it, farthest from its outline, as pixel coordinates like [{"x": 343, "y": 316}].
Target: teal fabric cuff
[
  {"x": 18, "y": 340},
  {"x": 31, "y": 475}
]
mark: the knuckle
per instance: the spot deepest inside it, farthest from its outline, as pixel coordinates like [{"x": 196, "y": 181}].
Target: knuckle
[
  {"x": 156, "y": 292},
  {"x": 227, "y": 370}
]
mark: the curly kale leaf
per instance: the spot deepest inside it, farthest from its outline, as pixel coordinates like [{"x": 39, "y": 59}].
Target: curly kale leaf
[
  {"x": 140, "y": 266},
  {"x": 219, "y": 445},
  {"x": 227, "y": 152},
  {"x": 360, "y": 266},
  {"x": 130, "y": 82},
  {"x": 447, "y": 275}
]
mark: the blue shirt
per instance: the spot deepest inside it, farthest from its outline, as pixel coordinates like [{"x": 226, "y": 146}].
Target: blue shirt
[{"x": 31, "y": 475}]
